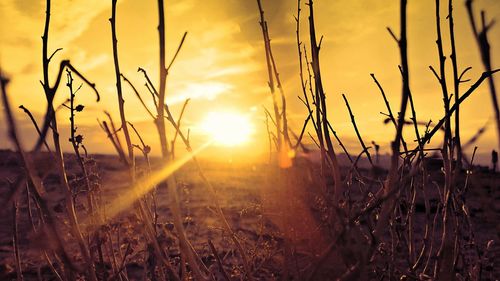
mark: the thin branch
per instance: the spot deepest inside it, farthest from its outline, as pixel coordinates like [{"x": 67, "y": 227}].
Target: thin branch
[
  {"x": 55, "y": 52},
  {"x": 36, "y": 126},
  {"x": 176, "y": 52},
  {"x": 179, "y": 124},
  {"x": 365, "y": 149},
  {"x": 137, "y": 95}
]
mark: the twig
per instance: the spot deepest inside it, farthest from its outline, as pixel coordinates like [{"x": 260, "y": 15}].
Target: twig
[
  {"x": 365, "y": 150},
  {"x": 15, "y": 241},
  {"x": 176, "y": 53},
  {"x": 481, "y": 36},
  {"x": 456, "y": 86},
  {"x": 219, "y": 261},
  {"x": 321, "y": 107},
  {"x": 36, "y": 126},
  {"x": 121, "y": 102},
  {"x": 137, "y": 95},
  {"x": 179, "y": 124}
]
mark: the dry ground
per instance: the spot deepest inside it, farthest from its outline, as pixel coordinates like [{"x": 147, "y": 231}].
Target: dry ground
[{"x": 248, "y": 200}]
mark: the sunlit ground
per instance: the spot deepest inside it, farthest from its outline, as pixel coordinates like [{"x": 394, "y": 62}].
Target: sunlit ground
[{"x": 227, "y": 128}]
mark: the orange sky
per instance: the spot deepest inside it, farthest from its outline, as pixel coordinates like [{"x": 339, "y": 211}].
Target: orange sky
[{"x": 222, "y": 66}]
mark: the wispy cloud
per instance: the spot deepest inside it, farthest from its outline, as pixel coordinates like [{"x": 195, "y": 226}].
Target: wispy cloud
[{"x": 200, "y": 91}]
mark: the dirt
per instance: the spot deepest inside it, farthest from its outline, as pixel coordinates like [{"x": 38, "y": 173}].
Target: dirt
[{"x": 249, "y": 199}]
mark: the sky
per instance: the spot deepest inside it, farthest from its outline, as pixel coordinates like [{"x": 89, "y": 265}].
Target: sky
[{"x": 221, "y": 66}]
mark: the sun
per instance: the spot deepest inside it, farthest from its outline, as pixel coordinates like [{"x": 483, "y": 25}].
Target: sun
[{"x": 227, "y": 128}]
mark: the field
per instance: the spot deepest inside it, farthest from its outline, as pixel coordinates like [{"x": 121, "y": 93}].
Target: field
[
  {"x": 297, "y": 200},
  {"x": 249, "y": 202}
]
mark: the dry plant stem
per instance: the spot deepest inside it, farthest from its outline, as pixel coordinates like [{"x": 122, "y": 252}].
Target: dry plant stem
[
  {"x": 391, "y": 183},
  {"x": 45, "y": 255},
  {"x": 213, "y": 193},
  {"x": 442, "y": 265},
  {"x": 115, "y": 137},
  {"x": 15, "y": 189},
  {"x": 267, "y": 47},
  {"x": 269, "y": 138},
  {"x": 321, "y": 100},
  {"x": 179, "y": 47},
  {"x": 456, "y": 86},
  {"x": 106, "y": 129},
  {"x": 149, "y": 85},
  {"x": 51, "y": 266},
  {"x": 146, "y": 216},
  {"x": 138, "y": 96},
  {"x": 160, "y": 121},
  {"x": 121, "y": 102},
  {"x": 357, "y": 131},
  {"x": 481, "y": 36},
  {"x": 317, "y": 103},
  {"x": 340, "y": 142},
  {"x": 145, "y": 149},
  {"x": 75, "y": 145},
  {"x": 442, "y": 79},
  {"x": 50, "y": 119},
  {"x": 424, "y": 247},
  {"x": 302, "y": 80},
  {"x": 175, "y": 207},
  {"x": 15, "y": 241},
  {"x": 390, "y": 114},
  {"x": 50, "y": 92},
  {"x": 462, "y": 98},
  {"x": 443, "y": 261},
  {"x": 36, "y": 126},
  {"x": 38, "y": 187},
  {"x": 284, "y": 118},
  {"x": 178, "y": 124},
  {"x": 302, "y": 131},
  {"x": 144, "y": 146},
  {"x": 172, "y": 185},
  {"x": 219, "y": 261},
  {"x": 150, "y": 234},
  {"x": 70, "y": 207}
]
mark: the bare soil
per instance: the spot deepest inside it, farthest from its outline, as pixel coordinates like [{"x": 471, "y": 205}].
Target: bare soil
[{"x": 249, "y": 202}]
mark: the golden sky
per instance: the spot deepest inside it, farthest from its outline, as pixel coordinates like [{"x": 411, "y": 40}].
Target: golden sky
[{"x": 222, "y": 66}]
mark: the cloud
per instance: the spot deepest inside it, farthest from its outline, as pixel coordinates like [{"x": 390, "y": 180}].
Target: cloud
[
  {"x": 69, "y": 19},
  {"x": 200, "y": 91},
  {"x": 90, "y": 62}
]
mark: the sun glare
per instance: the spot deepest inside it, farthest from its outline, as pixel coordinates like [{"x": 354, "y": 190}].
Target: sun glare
[{"x": 227, "y": 128}]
